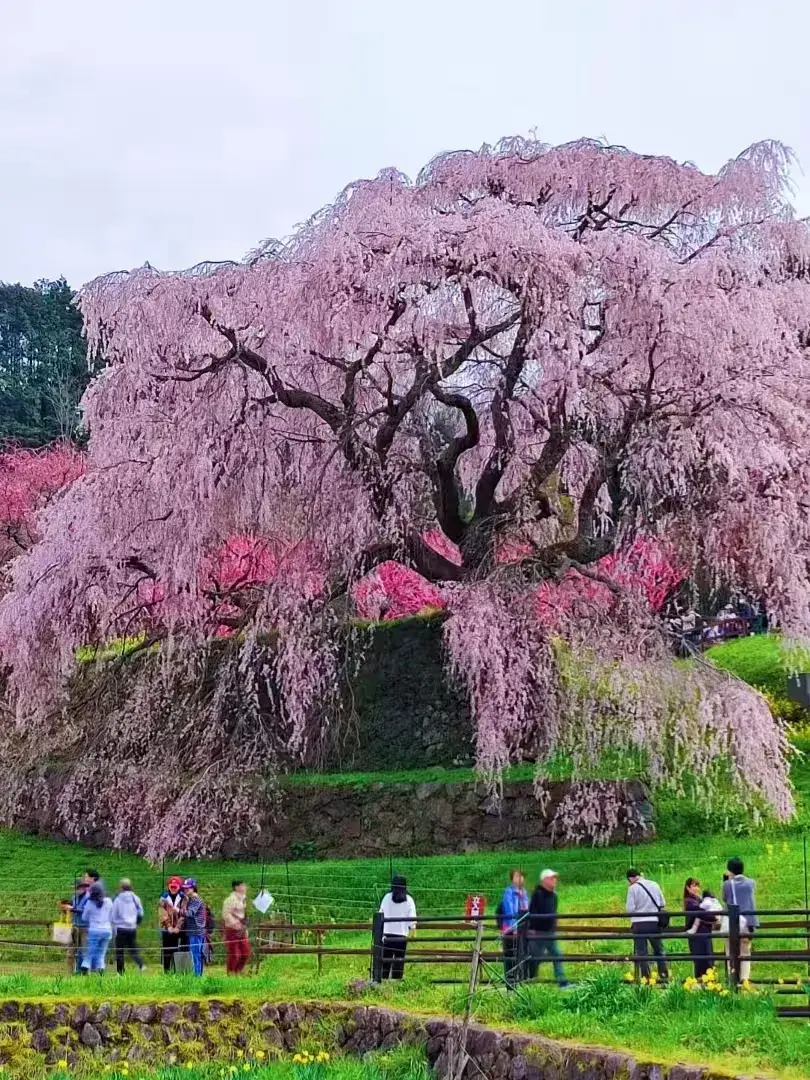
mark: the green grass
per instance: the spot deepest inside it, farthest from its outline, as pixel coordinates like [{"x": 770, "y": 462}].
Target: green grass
[
  {"x": 764, "y": 661},
  {"x": 398, "y": 1064}
]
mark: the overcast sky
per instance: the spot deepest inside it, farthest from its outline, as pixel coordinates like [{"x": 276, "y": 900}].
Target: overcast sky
[{"x": 190, "y": 129}]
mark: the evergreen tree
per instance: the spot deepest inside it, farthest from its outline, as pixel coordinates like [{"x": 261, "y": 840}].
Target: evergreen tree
[{"x": 43, "y": 365}]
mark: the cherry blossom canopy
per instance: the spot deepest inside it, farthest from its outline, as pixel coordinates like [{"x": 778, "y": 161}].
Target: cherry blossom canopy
[{"x": 541, "y": 356}]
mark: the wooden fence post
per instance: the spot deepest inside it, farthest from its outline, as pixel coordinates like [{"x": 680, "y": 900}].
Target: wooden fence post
[
  {"x": 319, "y": 943},
  {"x": 377, "y": 933},
  {"x": 734, "y": 945},
  {"x": 458, "y": 1048}
]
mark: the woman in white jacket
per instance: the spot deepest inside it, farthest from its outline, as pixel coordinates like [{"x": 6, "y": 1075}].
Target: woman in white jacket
[{"x": 400, "y": 919}]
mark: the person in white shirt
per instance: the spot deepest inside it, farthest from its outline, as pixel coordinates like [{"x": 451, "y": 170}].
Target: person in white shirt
[
  {"x": 399, "y": 911},
  {"x": 127, "y": 916},
  {"x": 645, "y": 902}
]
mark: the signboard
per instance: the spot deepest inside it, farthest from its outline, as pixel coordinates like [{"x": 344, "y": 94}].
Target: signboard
[
  {"x": 263, "y": 901},
  {"x": 476, "y": 907}
]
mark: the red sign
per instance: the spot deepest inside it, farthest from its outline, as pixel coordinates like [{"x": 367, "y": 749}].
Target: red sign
[{"x": 476, "y": 907}]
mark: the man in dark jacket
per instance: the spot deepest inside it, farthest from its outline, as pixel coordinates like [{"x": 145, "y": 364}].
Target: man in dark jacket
[{"x": 542, "y": 938}]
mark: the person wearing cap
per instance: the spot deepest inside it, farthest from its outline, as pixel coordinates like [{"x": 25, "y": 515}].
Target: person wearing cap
[
  {"x": 542, "y": 940},
  {"x": 194, "y": 911},
  {"x": 127, "y": 915},
  {"x": 171, "y": 921}
]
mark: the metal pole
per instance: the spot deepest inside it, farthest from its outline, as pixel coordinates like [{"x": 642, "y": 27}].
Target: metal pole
[
  {"x": 261, "y": 887},
  {"x": 377, "y": 931},
  {"x": 289, "y": 896}
]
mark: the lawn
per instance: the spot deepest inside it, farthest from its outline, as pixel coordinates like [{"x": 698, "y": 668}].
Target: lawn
[
  {"x": 669, "y": 1025},
  {"x": 736, "y": 1035}
]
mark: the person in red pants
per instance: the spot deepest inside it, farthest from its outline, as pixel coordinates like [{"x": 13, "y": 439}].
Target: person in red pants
[{"x": 234, "y": 926}]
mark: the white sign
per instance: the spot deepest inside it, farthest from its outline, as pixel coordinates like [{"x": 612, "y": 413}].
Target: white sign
[{"x": 263, "y": 901}]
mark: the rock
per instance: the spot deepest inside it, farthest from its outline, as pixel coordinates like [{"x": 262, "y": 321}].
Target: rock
[
  {"x": 268, "y": 1012},
  {"x": 9, "y": 1011},
  {"x": 103, "y": 1012},
  {"x": 136, "y": 1053},
  {"x": 123, "y": 1014},
  {"x": 191, "y": 1011},
  {"x": 146, "y": 1032},
  {"x": 41, "y": 1041},
  {"x": 170, "y": 1013},
  {"x": 33, "y": 1015},
  {"x": 82, "y": 1014},
  {"x": 216, "y": 1010},
  {"x": 60, "y": 1017},
  {"x": 144, "y": 1014},
  {"x": 90, "y": 1036}
]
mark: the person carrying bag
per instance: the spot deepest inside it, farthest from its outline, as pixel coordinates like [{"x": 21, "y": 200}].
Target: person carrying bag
[{"x": 648, "y": 917}]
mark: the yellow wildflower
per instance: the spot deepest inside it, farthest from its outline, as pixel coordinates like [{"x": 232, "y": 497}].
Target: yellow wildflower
[
  {"x": 322, "y": 1056},
  {"x": 260, "y": 1054},
  {"x": 629, "y": 976},
  {"x": 246, "y": 1067},
  {"x": 240, "y": 1053},
  {"x": 61, "y": 1064}
]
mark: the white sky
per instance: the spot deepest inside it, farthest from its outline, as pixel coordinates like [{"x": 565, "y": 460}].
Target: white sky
[{"x": 192, "y": 129}]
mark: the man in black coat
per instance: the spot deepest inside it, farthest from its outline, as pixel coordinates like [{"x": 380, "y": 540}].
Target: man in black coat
[{"x": 542, "y": 939}]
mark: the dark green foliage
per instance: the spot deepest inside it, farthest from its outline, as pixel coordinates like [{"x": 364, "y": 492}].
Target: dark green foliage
[
  {"x": 43, "y": 366},
  {"x": 405, "y": 712}
]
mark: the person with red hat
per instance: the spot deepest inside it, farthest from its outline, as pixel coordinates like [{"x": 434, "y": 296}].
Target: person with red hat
[{"x": 171, "y": 921}]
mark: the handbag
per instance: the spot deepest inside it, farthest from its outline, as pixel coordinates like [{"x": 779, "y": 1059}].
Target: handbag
[
  {"x": 183, "y": 962},
  {"x": 663, "y": 916},
  {"x": 62, "y": 934}
]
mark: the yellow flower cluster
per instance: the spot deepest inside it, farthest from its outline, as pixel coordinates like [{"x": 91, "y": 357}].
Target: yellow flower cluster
[
  {"x": 305, "y": 1058},
  {"x": 707, "y": 982}
]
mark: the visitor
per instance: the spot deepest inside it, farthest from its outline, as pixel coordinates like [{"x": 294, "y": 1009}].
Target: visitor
[
  {"x": 97, "y": 917},
  {"x": 399, "y": 914},
  {"x": 699, "y": 927},
  {"x": 127, "y": 916},
  {"x": 81, "y": 894},
  {"x": 541, "y": 937},
  {"x": 645, "y": 906},
  {"x": 741, "y": 891},
  {"x": 510, "y": 916},
  {"x": 234, "y": 929},
  {"x": 171, "y": 922},
  {"x": 194, "y": 923}
]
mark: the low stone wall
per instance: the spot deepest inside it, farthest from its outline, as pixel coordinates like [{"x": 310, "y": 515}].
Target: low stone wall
[
  {"x": 319, "y": 821},
  {"x": 447, "y": 818},
  {"x": 178, "y": 1032}
]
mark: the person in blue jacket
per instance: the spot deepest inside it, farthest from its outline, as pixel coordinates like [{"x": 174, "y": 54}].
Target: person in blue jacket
[{"x": 511, "y": 915}]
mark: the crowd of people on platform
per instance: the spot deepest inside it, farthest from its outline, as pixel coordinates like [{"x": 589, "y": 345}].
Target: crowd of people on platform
[
  {"x": 92, "y": 921},
  {"x": 528, "y": 924}
]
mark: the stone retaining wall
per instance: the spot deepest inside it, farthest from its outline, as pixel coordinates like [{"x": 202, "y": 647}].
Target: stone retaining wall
[
  {"x": 169, "y": 1032},
  {"x": 445, "y": 818}
]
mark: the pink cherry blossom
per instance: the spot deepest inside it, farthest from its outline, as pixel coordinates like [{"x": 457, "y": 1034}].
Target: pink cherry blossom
[{"x": 549, "y": 381}]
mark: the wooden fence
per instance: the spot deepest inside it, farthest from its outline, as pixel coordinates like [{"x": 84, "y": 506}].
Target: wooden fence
[{"x": 783, "y": 938}]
